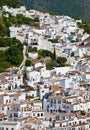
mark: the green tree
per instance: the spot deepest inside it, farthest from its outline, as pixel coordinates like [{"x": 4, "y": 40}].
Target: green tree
[
  {"x": 32, "y": 49},
  {"x": 27, "y": 63},
  {"x": 54, "y": 54},
  {"x": 40, "y": 54},
  {"x": 2, "y": 28},
  {"x": 49, "y": 65},
  {"x": 85, "y": 26},
  {"x": 11, "y": 3},
  {"x": 61, "y": 61},
  {"x": 72, "y": 54},
  {"x": 45, "y": 53},
  {"x": 36, "y": 19}
]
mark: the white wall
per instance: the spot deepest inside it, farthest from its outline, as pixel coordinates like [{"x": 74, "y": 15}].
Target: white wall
[
  {"x": 65, "y": 83},
  {"x": 62, "y": 70},
  {"x": 10, "y": 125},
  {"x": 33, "y": 55}
]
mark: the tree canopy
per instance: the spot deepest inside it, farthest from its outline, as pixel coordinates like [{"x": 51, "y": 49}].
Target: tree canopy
[
  {"x": 61, "y": 61},
  {"x": 18, "y": 20},
  {"x": 44, "y": 53},
  {"x": 27, "y": 63},
  {"x": 85, "y": 26},
  {"x": 4, "y": 42},
  {"x": 13, "y": 55},
  {"x": 11, "y": 3}
]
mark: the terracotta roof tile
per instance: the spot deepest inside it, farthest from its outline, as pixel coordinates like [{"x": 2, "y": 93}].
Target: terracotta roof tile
[
  {"x": 56, "y": 88},
  {"x": 56, "y": 96},
  {"x": 2, "y": 115}
]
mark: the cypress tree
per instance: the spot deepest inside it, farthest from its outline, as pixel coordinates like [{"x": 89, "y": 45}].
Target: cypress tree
[{"x": 54, "y": 54}]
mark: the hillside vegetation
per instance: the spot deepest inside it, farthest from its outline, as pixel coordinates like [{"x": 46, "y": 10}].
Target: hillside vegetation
[
  {"x": 11, "y": 49},
  {"x": 12, "y": 56},
  {"x": 11, "y": 3},
  {"x": 75, "y": 8}
]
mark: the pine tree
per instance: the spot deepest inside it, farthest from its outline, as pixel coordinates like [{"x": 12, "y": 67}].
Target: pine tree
[{"x": 54, "y": 54}]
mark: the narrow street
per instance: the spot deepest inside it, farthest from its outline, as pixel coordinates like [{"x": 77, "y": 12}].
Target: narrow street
[{"x": 24, "y": 57}]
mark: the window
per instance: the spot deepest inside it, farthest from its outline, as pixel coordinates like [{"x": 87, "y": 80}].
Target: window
[
  {"x": 73, "y": 128},
  {"x": 51, "y": 100},
  {"x": 15, "y": 114},
  {"x": 41, "y": 114},
  {"x": 79, "y": 128},
  {"x": 60, "y": 125},
  {"x": 10, "y": 115},
  {"x": 59, "y": 101},
  {"x": 63, "y": 106},
  {"x": 5, "y": 118},
  {"x": 18, "y": 77},
  {"x": 67, "y": 107},
  {"x": 79, "y": 122},
  {"x": 6, "y": 101},
  {"x": 59, "y": 110},
  {"x": 63, "y": 118},
  {"x": 2, "y": 108},
  {"x": 38, "y": 115},
  {"x": 51, "y": 110},
  {"x": 54, "y": 100},
  {"x": 53, "y": 124},
  {"x": 48, "y": 106},
  {"x": 51, "y": 105},
  {"x": 32, "y": 95}
]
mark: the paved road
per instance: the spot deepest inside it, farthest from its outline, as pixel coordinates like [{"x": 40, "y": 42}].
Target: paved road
[
  {"x": 4, "y": 48},
  {"x": 24, "y": 57}
]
